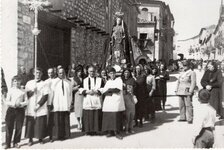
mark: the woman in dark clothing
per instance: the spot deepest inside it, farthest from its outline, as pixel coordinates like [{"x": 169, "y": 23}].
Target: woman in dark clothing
[
  {"x": 163, "y": 76},
  {"x": 156, "y": 94},
  {"x": 212, "y": 81},
  {"x": 141, "y": 94}
]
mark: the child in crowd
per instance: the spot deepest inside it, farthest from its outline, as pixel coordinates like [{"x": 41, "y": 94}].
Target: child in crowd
[
  {"x": 15, "y": 113},
  {"x": 205, "y": 122},
  {"x": 129, "y": 99}
]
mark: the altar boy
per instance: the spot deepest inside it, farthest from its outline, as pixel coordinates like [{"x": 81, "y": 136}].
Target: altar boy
[{"x": 36, "y": 111}]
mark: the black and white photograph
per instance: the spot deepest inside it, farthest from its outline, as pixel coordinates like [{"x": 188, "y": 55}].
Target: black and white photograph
[{"x": 112, "y": 74}]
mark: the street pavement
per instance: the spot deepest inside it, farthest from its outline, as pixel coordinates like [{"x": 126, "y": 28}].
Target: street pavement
[{"x": 165, "y": 132}]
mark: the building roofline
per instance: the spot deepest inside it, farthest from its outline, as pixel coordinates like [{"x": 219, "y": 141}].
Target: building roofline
[
  {"x": 151, "y": 2},
  {"x": 168, "y": 7},
  {"x": 194, "y": 37},
  {"x": 218, "y": 25},
  {"x": 160, "y": 3}
]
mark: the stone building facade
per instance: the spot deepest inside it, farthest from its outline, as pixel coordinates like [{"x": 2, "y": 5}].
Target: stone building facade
[
  {"x": 25, "y": 37},
  {"x": 218, "y": 36},
  {"x": 155, "y": 26},
  {"x": 72, "y": 31}
]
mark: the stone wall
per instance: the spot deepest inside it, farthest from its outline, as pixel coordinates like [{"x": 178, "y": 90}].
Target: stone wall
[
  {"x": 90, "y": 11},
  {"x": 25, "y": 37},
  {"x": 86, "y": 46}
]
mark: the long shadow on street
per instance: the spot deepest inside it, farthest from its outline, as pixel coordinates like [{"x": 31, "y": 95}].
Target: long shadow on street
[{"x": 161, "y": 118}]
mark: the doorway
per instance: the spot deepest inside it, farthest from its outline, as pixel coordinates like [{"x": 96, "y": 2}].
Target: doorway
[{"x": 53, "y": 47}]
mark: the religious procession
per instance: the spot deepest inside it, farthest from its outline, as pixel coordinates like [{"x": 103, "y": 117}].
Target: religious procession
[{"x": 109, "y": 72}]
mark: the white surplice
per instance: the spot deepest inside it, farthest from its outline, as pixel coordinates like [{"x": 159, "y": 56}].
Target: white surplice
[
  {"x": 115, "y": 102},
  {"x": 92, "y": 102},
  {"x": 36, "y": 97},
  {"x": 61, "y": 100}
]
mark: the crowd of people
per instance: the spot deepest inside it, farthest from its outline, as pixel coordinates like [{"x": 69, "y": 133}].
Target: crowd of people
[{"x": 104, "y": 101}]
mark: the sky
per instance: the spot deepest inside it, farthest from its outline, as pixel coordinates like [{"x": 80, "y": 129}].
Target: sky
[{"x": 192, "y": 15}]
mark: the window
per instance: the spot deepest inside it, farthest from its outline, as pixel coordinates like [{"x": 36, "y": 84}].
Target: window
[
  {"x": 142, "y": 40},
  {"x": 145, "y": 9},
  {"x": 143, "y": 36},
  {"x": 144, "y": 14}
]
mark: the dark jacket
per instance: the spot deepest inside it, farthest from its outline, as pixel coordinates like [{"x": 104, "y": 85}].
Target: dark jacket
[
  {"x": 162, "y": 83},
  {"x": 3, "y": 83},
  {"x": 214, "y": 79}
]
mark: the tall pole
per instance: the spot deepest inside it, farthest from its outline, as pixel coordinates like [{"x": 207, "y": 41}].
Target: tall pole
[
  {"x": 35, "y": 41},
  {"x": 35, "y": 52}
]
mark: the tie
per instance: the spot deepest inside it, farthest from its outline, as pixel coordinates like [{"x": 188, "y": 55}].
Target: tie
[
  {"x": 90, "y": 83},
  {"x": 62, "y": 86}
]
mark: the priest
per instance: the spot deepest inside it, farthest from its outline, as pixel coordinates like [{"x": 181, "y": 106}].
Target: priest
[
  {"x": 61, "y": 102},
  {"x": 92, "y": 103}
]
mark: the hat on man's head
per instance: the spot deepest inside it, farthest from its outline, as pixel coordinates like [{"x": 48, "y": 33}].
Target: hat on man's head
[{"x": 204, "y": 95}]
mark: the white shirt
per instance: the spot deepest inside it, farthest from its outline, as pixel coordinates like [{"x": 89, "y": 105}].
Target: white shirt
[
  {"x": 14, "y": 97},
  {"x": 205, "y": 117},
  {"x": 114, "y": 103},
  {"x": 48, "y": 83}
]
